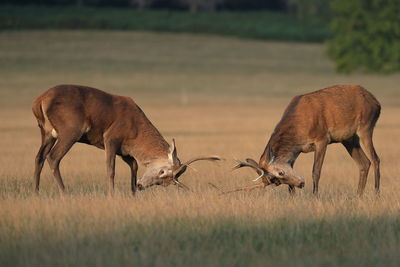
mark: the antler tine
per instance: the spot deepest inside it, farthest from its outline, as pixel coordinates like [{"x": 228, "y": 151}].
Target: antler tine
[
  {"x": 242, "y": 164},
  {"x": 211, "y": 158},
  {"x": 215, "y": 187},
  {"x": 246, "y": 188},
  {"x": 251, "y": 161},
  {"x": 190, "y": 161},
  {"x": 259, "y": 177},
  {"x": 181, "y": 185}
]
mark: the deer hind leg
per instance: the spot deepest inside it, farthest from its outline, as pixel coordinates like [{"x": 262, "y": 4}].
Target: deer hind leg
[
  {"x": 64, "y": 143},
  {"x": 319, "y": 155},
  {"x": 134, "y": 167},
  {"x": 353, "y": 147},
  {"x": 47, "y": 143},
  {"x": 65, "y": 124},
  {"x": 366, "y": 139}
]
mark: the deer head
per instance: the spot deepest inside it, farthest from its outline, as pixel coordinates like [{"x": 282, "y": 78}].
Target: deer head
[
  {"x": 274, "y": 172},
  {"x": 283, "y": 173},
  {"x": 167, "y": 171}
]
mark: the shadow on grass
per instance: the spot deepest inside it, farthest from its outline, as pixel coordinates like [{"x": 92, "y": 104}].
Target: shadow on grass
[{"x": 346, "y": 241}]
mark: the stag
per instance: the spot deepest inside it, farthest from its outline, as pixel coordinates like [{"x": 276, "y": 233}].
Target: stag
[
  {"x": 67, "y": 114},
  {"x": 344, "y": 114}
]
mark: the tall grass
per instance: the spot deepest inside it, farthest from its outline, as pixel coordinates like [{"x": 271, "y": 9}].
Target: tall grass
[
  {"x": 168, "y": 228},
  {"x": 255, "y": 25}
]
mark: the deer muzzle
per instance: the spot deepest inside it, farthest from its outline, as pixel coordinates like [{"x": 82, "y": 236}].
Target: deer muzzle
[
  {"x": 298, "y": 182},
  {"x": 140, "y": 187}
]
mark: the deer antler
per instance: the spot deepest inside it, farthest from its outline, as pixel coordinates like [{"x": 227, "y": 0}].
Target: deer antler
[
  {"x": 250, "y": 164},
  {"x": 181, "y": 185},
  {"x": 183, "y": 166},
  {"x": 246, "y": 188},
  {"x": 212, "y": 158},
  {"x": 215, "y": 187}
]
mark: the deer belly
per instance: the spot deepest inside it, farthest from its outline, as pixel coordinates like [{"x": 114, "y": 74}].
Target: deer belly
[
  {"x": 93, "y": 138},
  {"x": 310, "y": 147},
  {"x": 338, "y": 135}
]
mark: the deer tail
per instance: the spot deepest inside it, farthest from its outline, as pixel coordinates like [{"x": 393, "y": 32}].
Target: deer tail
[{"x": 38, "y": 111}]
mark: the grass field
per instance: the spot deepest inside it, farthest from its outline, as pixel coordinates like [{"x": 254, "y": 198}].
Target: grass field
[{"x": 214, "y": 95}]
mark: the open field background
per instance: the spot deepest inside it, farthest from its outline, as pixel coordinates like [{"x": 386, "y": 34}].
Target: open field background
[{"x": 214, "y": 95}]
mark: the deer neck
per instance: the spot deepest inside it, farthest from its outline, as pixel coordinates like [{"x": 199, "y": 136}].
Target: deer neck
[
  {"x": 280, "y": 148},
  {"x": 149, "y": 145}
]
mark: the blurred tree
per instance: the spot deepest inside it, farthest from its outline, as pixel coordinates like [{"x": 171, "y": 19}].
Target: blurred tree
[
  {"x": 366, "y": 35},
  {"x": 318, "y": 11},
  {"x": 207, "y": 5},
  {"x": 254, "y": 4},
  {"x": 141, "y": 4},
  {"x": 193, "y": 5},
  {"x": 106, "y": 3}
]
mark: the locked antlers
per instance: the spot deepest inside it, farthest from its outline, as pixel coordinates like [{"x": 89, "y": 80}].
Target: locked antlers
[
  {"x": 262, "y": 175},
  {"x": 179, "y": 168}
]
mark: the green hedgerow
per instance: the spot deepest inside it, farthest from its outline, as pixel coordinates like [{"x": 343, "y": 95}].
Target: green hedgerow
[{"x": 366, "y": 35}]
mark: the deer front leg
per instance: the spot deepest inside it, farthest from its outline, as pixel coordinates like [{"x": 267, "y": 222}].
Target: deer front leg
[
  {"x": 111, "y": 149},
  {"x": 134, "y": 167},
  {"x": 319, "y": 155},
  {"x": 292, "y": 190}
]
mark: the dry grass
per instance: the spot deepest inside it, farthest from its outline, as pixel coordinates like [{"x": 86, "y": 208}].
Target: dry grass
[{"x": 173, "y": 78}]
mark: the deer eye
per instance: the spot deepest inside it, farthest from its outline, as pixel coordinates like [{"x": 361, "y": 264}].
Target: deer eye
[
  {"x": 281, "y": 173},
  {"x": 161, "y": 172}
]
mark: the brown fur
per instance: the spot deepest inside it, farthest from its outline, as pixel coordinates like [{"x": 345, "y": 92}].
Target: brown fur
[
  {"x": 87, "y": 115},
  {"x": 341, "y": 113}
]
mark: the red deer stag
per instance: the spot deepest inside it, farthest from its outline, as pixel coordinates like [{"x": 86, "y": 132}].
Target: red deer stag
[
  {"x": 67, "y": 114},
  {"x": 339, "y": 114}
]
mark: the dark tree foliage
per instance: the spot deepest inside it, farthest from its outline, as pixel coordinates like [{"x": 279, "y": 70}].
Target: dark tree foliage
[
  {"x": 315, "y": 11},
  {"x": 164, "y": 4},
  {"x": 366, "y": 35},
  {"x": 254, "y": 4},
  {"x": 114, "y": 3}
]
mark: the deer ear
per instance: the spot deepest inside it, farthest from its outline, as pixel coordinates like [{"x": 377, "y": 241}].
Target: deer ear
[
  {"x": 180, "y": 171},
  {"x": 270, "y": 155},
  {"x": 172, "y": 156}
]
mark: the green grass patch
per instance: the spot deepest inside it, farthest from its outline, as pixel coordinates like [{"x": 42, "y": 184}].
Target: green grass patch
[
  {"x": 263, "y": 25},
  {"x": 350, "y": 241}
]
